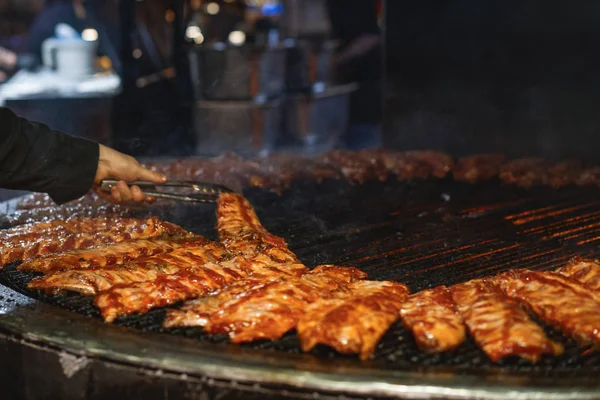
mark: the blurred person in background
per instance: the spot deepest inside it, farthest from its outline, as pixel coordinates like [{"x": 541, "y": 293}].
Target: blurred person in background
[
  {"x": 16, "y": 16},
  {"x": 11, "y": 62},
  {"x": 354, "y": 24},
  {"x": 78, "y": 14}
]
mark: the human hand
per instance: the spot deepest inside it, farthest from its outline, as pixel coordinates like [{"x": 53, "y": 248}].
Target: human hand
[
  {"x": 124, "y": 168},
  {"x": 8, "y": 59}
]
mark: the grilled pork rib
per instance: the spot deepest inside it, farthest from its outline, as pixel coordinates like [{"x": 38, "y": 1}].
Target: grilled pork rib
[
  {"x": 498, "y": 324},
  {"x": 165, "y": 290},
  {"x": 479, "y": 167},
  {"x": 241, "y": 232},
  {"x": 111, "y": 255},
  {"x": 260, "y": 309},
  {"x": 560, "y": 301},
  {"x": 564, "y": 173},
  {"x": 94, "y": 280},
  {"x": 357, "y": 167},
  {"x": 589, "y": 176},
  {"x": 24, "y": 248},
  {"x": 525, "y": 172},
  {"x": 353, "y": 320},
  {"x": 75, "y": 225},
  {"x": 583, "y": 270},
  {"x": 433, "y": 319},
  {"x": 82, "y": 225},
  {"x": 192, "y": 282}
]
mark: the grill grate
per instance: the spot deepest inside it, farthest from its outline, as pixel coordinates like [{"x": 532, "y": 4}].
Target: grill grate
[{"x": 423, "y": 234}]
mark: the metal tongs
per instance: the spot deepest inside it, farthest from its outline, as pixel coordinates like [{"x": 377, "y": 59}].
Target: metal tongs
[{"x": 197, "y": 192}]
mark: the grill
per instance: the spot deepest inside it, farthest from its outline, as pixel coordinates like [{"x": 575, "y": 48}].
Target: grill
[{"x": 422, "y": 233}]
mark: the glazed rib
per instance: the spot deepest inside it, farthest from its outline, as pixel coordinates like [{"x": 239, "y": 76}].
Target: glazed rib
[
  {"x": 433, "y": 319},
  {"x": 288, "y": 167},
  {"x": 197, "y": 312},
  {"x": 564, "y": 173},
  {"x": 264, "y": 310},
  {"x": 241, "y": 232},
  {"x": 250, "y": 172},
  {"x": 74, "y": 225},
  {"x": 479, "y": 167},
  {"x": 353, "y": 320},
  {"x": 165, "y": 290},
  {"x": 19, "y": 248},
  {"x": 357, "y": 167},
  {"x": 199, "y": 278},
  {"x": 440, "y": 164},
  {"x": 94, "y": 280},
  {"x": 560, "y": 301},
  {"x": 498, "y": 324},
  {"x": 419, "y": 164},
  {"x": 80, "y": 224},
  {"x": 583, "y": 270},
  {"x": 525, "y": 172},
  {"x": 589, "y": 176},
  {"x": 106, "y": 256},
  {"x": 260, "y": 270}
]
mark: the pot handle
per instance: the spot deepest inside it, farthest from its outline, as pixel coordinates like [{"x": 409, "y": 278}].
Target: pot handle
[{"x": 49, "y": 53}]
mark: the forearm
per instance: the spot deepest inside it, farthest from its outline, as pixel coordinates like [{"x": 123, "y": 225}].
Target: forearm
[{"x": 35, "y": 158}]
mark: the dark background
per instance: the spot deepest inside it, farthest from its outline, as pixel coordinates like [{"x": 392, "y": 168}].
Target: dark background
[{"x": 514, "y": 76}]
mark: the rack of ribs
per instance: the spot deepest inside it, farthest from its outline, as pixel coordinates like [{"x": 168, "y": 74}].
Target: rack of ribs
[
  {"x": 498, "y": 324},
  {"x": 167, "y": 289},
  {"x": 589, "y": 176},
  {"x": 560, "y": 301},
  {"x": 249, "y": 171},
  {"x": 23, "y": 248},
  {"x": 478, "y": 168},
  {"x": 564, "y": 173},
  {"x": 110, "y": 255},
  {"x": 256, "y": 309},
  {"x": 357, "y": 167},
  {"x": 94, "y": 280},
  {"x": 187, "y": 283},
  {"x": 290, "y": 168},
  {"x": 239, "y": 229},
  {"x": 241, "y": 232},
  {"x": 419, "y": 164},
  {"x": 74, "y": 225},
  {"x": 353, "y": 320},
  {"x": 583, "y": 270},
  {"x": 432, "y": 318},
  {"x": 525, "y": 172},
  {"x": 77, "y": 225}
]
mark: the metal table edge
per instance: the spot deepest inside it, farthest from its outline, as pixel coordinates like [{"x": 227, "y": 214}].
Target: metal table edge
[{"x": 41, "y": 324}]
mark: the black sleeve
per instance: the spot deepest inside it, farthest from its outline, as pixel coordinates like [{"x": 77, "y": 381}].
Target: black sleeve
[{"x": 35, "y": 158}]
